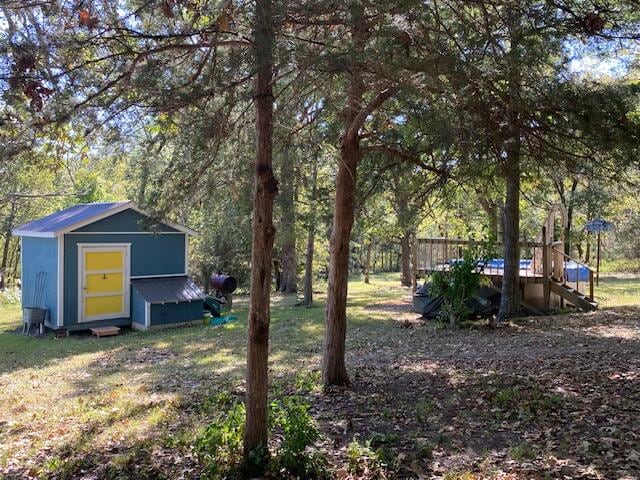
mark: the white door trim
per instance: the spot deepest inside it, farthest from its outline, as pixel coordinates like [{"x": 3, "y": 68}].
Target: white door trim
[
  {"x": 60, "y": 293},
  {"x": 147, "y": 314},
  {"x": 104, "y": 247},
  {"x": 186, "y": 253}
]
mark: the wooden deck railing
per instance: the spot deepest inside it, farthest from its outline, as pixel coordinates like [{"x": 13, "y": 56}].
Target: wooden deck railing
[
  {"x": 437, "y": 253},
  {"x": 560, "y": 260},
  {"x": 545, "y": 262}
]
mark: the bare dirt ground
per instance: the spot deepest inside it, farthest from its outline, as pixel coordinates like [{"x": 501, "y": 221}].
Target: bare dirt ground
[{"x": 551, "y": 397}]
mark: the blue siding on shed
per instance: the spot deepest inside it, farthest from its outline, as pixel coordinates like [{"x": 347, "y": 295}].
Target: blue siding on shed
[
  {"x": 137, "y": 308},
  {"x": 40, "y": 255},
  {"x": 160, "y": 254},
  {"x": 168, "y": 313},
  {"x": 126, "y": 221}
]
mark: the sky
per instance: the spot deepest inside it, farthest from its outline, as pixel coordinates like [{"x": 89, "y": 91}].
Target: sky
[{"x": 596, "y": 59}]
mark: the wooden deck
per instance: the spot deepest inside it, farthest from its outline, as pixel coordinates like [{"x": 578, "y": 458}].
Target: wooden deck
[
  {"x": 496, "y": 274},
  {"x": 543, "y": 263}
]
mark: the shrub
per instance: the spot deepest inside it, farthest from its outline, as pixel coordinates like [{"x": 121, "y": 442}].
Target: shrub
[
  {"x": 456, "y": 286},
  {"x": 216, "y": 402},
  {"x": 307, "y": 381},
  {"x": 364, "y": 460},
  {"x": 524, "y": 451},
  {"x": 424, "y": 408},
  {"x": 219, "y": 446},
  {"x": 299, "y": 432}
]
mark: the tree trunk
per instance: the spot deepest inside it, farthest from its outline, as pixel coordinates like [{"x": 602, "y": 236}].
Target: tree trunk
[
  {"x": 587, "y": 254},
  {"x": 277, "y": 275},
  {"x": 8, "y": 226},
  {"x": 414, "y": 262},
  {"x": 334, "y": 371},
  {"x": 491, "y": 210},
  {"x": 206, "y": 271},
  {"x": 144, "y": 180},
  {"x": 405, "y": 246},
  {"x": 265, "y": 190},
  {"x": 404, "y": 219},
  {"x": 384, "y": 267},
  {"x": 510, "y": 298},
  {"x": 4, "y": 262},
  {"x": 570, "y": 208},
  {"x": 11, "y": 270},
  {"x": 500, "y": 226},
  {"x": 311, "y": 238},
  {"x": 453, "y": 320},
  {"x": 289, "y": 275},
  {"x": 367, "y": 262},
  {"x": 16, "y": 260}
]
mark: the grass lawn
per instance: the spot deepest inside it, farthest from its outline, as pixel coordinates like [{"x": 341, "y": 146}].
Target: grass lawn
[
  {"x": 553, "y": 397},
  {"x": 616, "y": 290}
]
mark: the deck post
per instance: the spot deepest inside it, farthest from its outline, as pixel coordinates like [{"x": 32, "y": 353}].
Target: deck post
[
  {"x": 431, "y": 255},
  {"x": 414, "y": 264},
  {"x": 598, "y": 262},
  {"x": 546, "y": 293}
]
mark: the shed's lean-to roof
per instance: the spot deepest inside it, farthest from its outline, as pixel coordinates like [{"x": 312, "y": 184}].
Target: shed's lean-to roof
[
  {"x": 77, "y": 216},
  {"x": 168, "y": 289}
]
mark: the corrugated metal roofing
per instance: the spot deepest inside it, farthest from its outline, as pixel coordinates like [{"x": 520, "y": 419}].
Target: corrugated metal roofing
[
  {"x": 51, "y": 224},
  {"x": 168, "y": 289},
  {"x": 79, "y": 215}
]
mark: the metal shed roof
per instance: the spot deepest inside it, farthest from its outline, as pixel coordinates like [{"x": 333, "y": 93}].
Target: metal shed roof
[
  {"x": 168, "y": 289},
  {"x": 78, "y": 216}
]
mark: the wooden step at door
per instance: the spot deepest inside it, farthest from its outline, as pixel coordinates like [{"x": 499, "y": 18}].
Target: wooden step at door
[
  {"x": 573, "y": 296},
  {"x": 105, "y": 331}
]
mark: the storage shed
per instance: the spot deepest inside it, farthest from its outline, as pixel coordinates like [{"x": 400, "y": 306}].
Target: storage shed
[{"x": 104, "y": 264}]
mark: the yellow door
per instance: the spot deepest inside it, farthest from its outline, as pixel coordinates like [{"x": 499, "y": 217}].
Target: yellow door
[{"x": 104, "y": 283}]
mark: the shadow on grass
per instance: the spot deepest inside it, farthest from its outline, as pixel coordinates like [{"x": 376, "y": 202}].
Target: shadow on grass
[
  {"x": 432, "y": 401},
  {"x": 535, "y": 403}
]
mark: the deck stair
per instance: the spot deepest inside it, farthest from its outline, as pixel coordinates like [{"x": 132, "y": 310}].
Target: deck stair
[{"x": 572, "y": 295}]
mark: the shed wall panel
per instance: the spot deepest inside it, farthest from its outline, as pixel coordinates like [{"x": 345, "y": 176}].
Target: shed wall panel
[
  {"x": 168, "y": 313},
  {"x": 161, "y": 254},
  {"x": 126, "y": 221},
  {"x": 40, "y": 255},
  {"x": 137, "y": 307}
]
